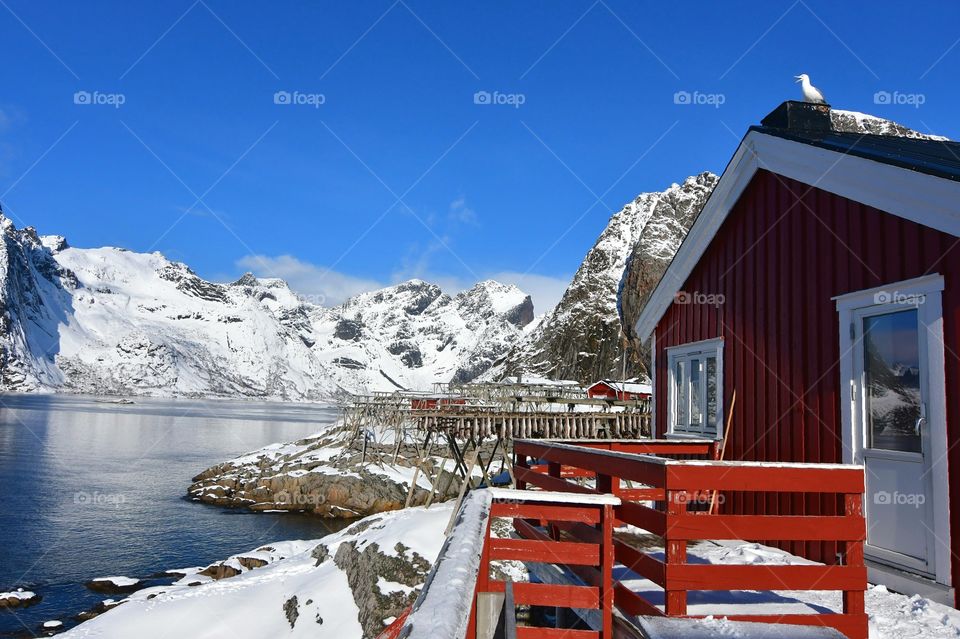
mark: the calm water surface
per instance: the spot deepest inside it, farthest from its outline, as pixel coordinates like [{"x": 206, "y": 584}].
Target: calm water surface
[{"x": 91, "y": 488}]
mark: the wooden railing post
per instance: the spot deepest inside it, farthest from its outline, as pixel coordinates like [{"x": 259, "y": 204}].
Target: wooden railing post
[
  {"x": 853, "y": 600},
  {"x": 676, "y": 553},
  {"x": 554, "y": 469},
  {"x": 521, "y": 462},
  {"x": 607, "y": 559}
]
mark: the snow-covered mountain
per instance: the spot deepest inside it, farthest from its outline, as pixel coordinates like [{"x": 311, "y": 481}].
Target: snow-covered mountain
[
  {"x": 591, "y": 330},
  {"x": 581, "y": 338},
  {"x": 112, "y": 321}
]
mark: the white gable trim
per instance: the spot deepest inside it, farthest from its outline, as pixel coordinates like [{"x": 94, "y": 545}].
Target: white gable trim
[{"x": 919, "y": 197}]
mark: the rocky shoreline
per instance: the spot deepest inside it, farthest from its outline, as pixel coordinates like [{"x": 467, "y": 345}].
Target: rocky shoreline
[{"x": 326, "y": 475}]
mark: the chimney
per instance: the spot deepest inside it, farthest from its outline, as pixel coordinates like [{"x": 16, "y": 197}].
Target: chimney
[{"x": 799, "y": 116}]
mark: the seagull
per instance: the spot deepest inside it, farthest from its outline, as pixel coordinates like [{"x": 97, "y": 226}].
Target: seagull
[{"x": 810, "y": 92}]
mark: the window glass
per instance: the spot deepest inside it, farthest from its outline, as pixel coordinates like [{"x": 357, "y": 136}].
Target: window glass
[
  {"x": 696, "y": 396},
  {"x": 683, "y": 400},
  {"x": 711, "y": 384},
  {"x": 891, "y": 370}
]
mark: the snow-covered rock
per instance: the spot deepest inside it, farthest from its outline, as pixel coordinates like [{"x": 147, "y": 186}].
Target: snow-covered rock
[
  {"x": 111, "y": 321},
  {"x": 345, "y": 585},
  {"x": 17, "y": 598},
  {"x": 326, "y": 474}
]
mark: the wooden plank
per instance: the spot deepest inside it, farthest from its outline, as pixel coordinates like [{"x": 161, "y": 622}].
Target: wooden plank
[
  {"x": 551, "y": 594},
  {"x": 765, "y": 527},
  {"x": 634, "y": 604},
  {"x": 764, "y": 478},
  {"x": 549, "y": 552},
  {"x": 549, "y": 512},
  {"x": 739, "y": 577},
  {"x": 650, "y": 519},
  {"x": 623, "y": 465},
  {"x": 640, "y": 562},
  {"x": 546, "y": 482},
  {"x": 642, "y": 494}
]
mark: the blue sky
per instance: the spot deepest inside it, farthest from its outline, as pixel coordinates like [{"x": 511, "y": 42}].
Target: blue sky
[{"x": 156, "y": 126}]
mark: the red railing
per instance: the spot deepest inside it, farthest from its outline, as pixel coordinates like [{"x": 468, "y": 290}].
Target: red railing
[
  {"x": 534, "y": 546},
  {"x": 682, "y": 491}
]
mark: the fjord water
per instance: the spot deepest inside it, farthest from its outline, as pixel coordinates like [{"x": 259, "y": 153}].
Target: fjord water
[{"x": 94, "y": 488}]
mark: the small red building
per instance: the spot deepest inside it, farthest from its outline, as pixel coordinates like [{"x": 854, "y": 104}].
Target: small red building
[
  {"x": 624, "y": 391},
  {"x": 821, "y": 282}
]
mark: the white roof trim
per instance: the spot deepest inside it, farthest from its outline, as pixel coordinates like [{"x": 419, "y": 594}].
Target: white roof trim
[{"x": 925, "y": 199}]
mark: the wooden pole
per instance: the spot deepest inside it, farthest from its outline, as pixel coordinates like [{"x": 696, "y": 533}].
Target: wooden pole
[{"x": 723, "y": 446}]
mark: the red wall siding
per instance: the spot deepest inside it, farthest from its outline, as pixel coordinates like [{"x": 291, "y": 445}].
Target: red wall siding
[{"x": 784, "y": 251}]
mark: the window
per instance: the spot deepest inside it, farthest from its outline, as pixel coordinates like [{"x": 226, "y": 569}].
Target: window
[{"x": 695, "y": 388}]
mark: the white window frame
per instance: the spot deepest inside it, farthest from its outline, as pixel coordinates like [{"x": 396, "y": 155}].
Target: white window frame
[{"x": 687, "y": 351}]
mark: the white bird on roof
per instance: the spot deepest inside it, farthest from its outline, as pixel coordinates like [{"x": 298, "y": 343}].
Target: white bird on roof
[{"x": 810, "y": 92}]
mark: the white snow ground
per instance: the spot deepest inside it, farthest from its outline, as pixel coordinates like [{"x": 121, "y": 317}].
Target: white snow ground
[{"x": 250, "y": 605}]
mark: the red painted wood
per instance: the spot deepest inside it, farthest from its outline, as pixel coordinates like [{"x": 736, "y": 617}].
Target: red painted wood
[
  {"x": 393, "y": 630},
  {"x": 766, "y": 527},
  {"x": 675, "y": 552},
  {"x": 608, "y": 559},
  {"x": 547, "y": 482},
  {"x": 784, "y": 251},
  {"x": 766, "y": 478},
  {"x": 552, "y": 552},
  {"x": 738, "y": 577},
  {"x": 582, "y": 514},
  {"x": 551, "y": 594}
]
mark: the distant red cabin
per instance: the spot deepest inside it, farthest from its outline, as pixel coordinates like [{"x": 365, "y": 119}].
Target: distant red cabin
[
  {"x": 821, "y": 282},
  {"x": 624, "y": 391},
  {"x": 432, "y": 403}
]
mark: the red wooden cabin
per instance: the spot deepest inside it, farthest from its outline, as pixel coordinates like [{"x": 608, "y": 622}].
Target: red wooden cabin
[
  {"x": 624, "y": 391},
  {"x": 821, "y": 282}
]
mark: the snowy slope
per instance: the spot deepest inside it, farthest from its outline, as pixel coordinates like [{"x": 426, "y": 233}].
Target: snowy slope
[
  {"x": 305, "y": 589},
  {"x": 112, "y": 321}
]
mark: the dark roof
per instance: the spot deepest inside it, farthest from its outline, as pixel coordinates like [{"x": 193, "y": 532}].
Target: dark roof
[{"x": 934, "y": 157}]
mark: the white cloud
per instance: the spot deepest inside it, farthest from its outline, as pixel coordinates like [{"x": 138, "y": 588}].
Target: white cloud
[
  {"x": 330, "y": 288},
  {"x": 315, "y": 283}
]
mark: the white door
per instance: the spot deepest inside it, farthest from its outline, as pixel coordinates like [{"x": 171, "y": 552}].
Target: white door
[{"x": 890, "y": 398}]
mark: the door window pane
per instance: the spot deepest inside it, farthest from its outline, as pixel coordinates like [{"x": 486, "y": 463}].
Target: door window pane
[{"x": 891, "y": 370}]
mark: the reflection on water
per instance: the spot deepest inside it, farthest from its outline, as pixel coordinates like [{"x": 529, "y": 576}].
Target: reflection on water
[{"x": 93, "y": 488}]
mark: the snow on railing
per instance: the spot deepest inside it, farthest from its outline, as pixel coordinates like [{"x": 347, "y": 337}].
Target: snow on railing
[{"x": 442, "y": 611}]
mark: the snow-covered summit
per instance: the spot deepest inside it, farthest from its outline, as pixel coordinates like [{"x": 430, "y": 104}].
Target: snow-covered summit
[{"x": 109, "y": 320}]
